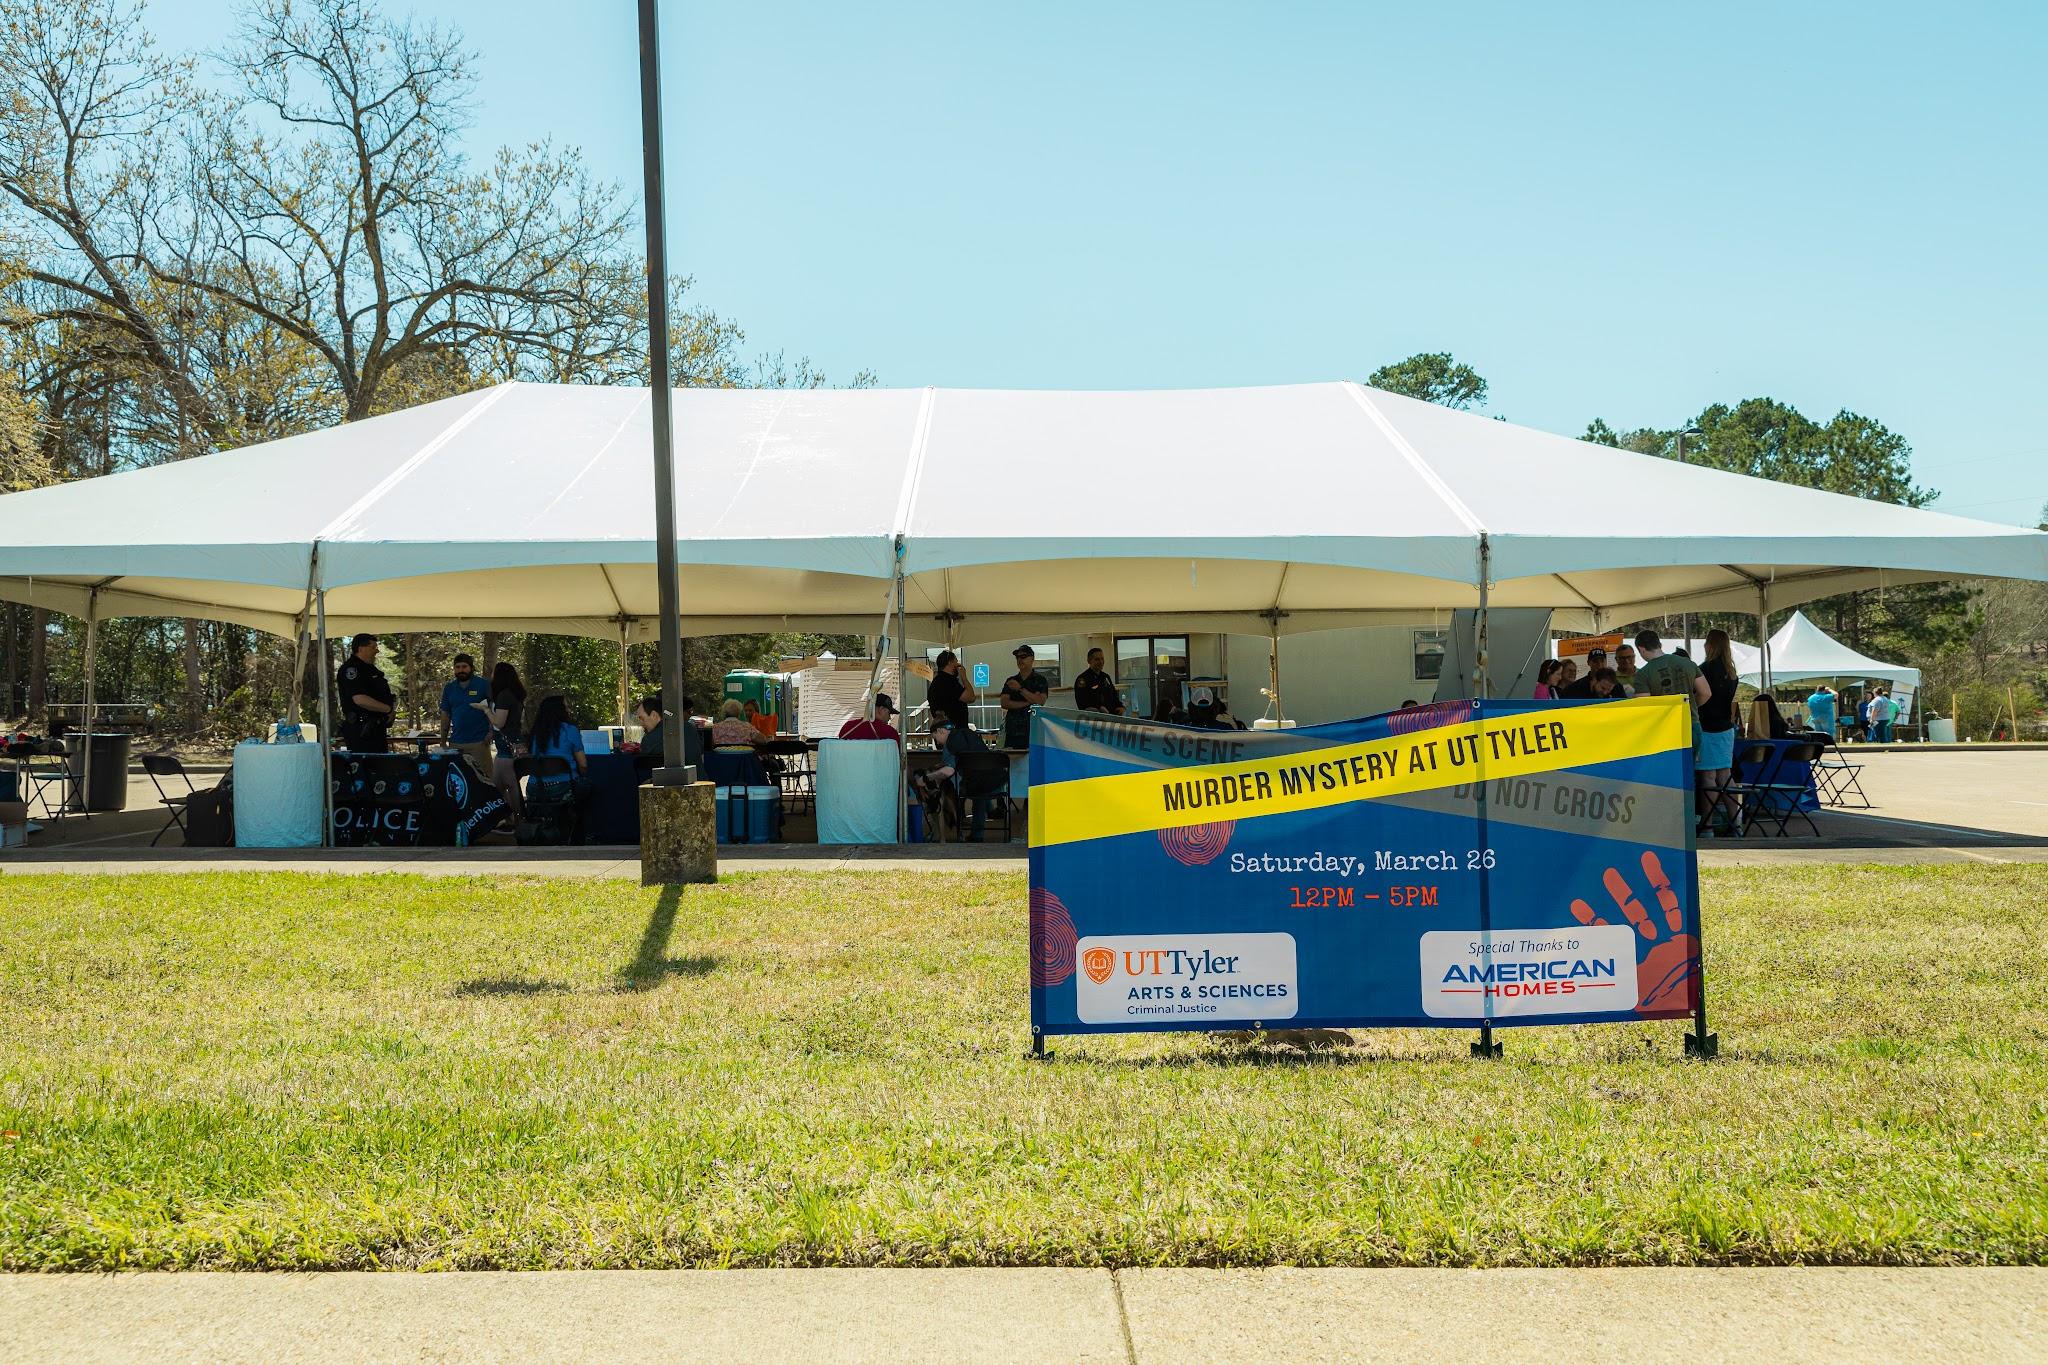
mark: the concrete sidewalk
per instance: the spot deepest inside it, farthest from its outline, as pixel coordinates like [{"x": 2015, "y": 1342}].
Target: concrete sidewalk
[{"x": 1632, "y": 1315}]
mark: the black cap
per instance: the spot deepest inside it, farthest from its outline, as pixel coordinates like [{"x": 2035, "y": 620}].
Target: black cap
[
  {"x": 1021, "y": 650},
  {"x": 885, "y": 702}
]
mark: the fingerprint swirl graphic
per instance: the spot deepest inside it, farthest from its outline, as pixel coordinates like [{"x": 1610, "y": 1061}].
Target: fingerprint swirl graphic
[
  {"x": 1052, "y": 939},
  {"x": 1431, "y": 716},
  {"x": 1196, "y": 845}
]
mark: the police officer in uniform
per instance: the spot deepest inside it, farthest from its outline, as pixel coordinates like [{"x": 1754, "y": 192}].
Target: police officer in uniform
[{"x": 366, "y": 699}]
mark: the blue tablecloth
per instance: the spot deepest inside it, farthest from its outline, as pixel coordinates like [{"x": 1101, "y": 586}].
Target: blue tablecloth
[
  {"x": 613, "y": 815},
  {"x": 1779, "y": 772}
]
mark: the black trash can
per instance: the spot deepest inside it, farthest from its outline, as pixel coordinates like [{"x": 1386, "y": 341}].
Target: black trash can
[{"x": 109, "y": 772}]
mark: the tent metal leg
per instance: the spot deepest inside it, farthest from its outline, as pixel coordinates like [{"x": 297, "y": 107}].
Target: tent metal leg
[
  {"x": 326, "y": 724},
  {"x": 92, "y": 643},
  {"x": 626, "y": 678},
  {"x": 1486, "y": 1047},
  {"x": 903, "y": 706}
]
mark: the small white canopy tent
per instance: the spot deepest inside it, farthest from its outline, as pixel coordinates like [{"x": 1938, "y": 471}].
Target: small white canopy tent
[
  {"x": 1801, "y": 650},
  {"x": 1283, "y": 509}
]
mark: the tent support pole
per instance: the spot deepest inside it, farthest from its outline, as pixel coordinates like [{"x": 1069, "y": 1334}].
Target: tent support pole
[
  {"x": 92, "y": 641},
  {"x": 667, "y": 572},
  {"x": 1763, "y": 635},
  {"x": 1485, "y": 1047},
  {"x": 326, "y": 727},
  {"x": 303, "y": 639},
  {"x": 626, "y": 675},
  {"x": 903, "y": 705}
]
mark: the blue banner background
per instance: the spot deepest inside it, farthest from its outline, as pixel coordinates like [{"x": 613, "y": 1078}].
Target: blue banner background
[{"x": 1566, "y": 847}]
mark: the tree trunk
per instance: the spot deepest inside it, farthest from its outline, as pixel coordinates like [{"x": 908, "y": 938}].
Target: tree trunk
[
  {"x": 38, "y": 663},
  {"x": 10, "y": 660},
  {"x": 489, "y": 664},
  {"x": 195, "y": 699}
]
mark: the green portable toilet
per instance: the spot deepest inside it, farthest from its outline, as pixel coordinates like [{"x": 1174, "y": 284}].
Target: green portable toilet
[{"x": 768, "y": 691}]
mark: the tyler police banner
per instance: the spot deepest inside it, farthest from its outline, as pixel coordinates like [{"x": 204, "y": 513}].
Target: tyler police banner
[{"x": 1467, "y": 862}]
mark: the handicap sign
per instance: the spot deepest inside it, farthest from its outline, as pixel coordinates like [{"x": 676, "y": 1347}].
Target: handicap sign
[{"x": 981, "y": 675}]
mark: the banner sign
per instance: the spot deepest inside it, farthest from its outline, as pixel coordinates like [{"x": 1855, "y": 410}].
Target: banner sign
[{"x": 1457, "y": 864}]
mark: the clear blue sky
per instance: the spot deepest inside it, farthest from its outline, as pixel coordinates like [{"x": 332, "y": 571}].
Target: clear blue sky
[{"x": 1625, "y": 210}]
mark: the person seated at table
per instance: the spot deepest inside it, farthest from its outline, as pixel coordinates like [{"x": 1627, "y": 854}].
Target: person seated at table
[
  {"x": 654, "y": 735},
  {"x": 1581, "y": 689},
  {"x": 764, "y": 725},
  {"x": 733, "y": 730},
  {"x": 1602, "y": 685},
  {"x": 1205, "y": 712},
  {"x": 943, "y": 783},
  {"x": 950, "y": 690},
  {"x": 876, "y": 726},
  {"x": 1094, "y": 690},
  {"x": 1820, "y": 710},
  {"x": 556, "y": 736},
  {"x": 1168, "y": 710},
  {"x": 1567, "y": 674}
]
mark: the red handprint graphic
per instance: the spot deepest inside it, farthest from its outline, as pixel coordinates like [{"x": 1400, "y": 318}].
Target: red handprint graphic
[{"x": 1666, "y": 975}]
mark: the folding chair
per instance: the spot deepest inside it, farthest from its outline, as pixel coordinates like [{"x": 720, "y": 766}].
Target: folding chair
[
  {"x": 1769, "y": 795},
  {"x": 50, "y": 768},
  {"x": 985, "y": 777},
  {"x": 159, "y": 767},
  {"x": 1835, "y": 777},
  {"x": 549, "y": 813}
]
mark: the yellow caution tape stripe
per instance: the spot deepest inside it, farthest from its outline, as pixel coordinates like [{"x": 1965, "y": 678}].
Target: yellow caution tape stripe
[{"x": 1451, "y": 755}]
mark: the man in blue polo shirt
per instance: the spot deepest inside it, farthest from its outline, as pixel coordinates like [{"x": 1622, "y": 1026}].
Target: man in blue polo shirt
[{"x": 465, "y": 714}]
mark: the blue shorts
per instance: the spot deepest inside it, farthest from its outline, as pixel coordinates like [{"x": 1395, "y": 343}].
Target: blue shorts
[{"x": 1717, "y": 750}]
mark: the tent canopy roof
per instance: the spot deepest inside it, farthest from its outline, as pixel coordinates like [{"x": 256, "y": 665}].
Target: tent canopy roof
[{"x": 528, "y": 506}]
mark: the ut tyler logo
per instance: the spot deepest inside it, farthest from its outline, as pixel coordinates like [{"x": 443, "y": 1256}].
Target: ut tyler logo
[{"x": 1099, "y": 963}]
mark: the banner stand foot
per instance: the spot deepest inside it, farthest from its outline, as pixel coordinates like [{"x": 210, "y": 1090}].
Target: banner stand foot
[
  {"x": 1038, "y": 1052},
  {"x": 1703, "y": 1045},
  {"x": 1486, "y": 1047}
]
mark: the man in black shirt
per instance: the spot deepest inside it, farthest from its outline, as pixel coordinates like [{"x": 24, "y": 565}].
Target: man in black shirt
[
  {"x": 1022, "y": 690},
  {"x": 950, "y": 691},
  {"x": 1094, "y": 691},
  {"x": 366, "y": 699}
]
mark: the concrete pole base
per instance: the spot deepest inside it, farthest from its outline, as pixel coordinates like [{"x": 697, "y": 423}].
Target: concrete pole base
[{"x": 678, "y": 835}]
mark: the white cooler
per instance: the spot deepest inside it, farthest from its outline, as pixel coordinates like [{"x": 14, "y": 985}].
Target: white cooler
[{"x": 277, "y": 795}]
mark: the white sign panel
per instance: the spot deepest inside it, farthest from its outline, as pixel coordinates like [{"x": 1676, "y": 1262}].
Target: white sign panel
[
  {"x": 1185, "y": 978},
  {"x": 1516, "y": 972}
]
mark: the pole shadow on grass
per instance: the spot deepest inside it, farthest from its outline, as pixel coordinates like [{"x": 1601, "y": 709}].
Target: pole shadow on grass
[{"x": 652, "y": 965}]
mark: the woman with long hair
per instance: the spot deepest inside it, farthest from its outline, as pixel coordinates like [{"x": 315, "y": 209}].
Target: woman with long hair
[
  {"x": 1716, "y": 751},
  {"x": 507, "y": 708},
  {"x": 1546, "y": 679},
  {"x": 556, "y": 736}
]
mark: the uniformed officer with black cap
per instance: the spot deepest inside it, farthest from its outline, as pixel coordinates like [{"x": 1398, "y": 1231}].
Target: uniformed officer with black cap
[{"x": 366, "y": 699}]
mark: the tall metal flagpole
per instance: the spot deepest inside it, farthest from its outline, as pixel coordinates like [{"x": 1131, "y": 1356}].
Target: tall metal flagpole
[{"x": 673, "y": 772}]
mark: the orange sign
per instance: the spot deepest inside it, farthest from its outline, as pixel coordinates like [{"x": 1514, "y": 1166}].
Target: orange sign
[
  {"x": 1586, "y": 644},
  {"x": 1098, "y": 963}
]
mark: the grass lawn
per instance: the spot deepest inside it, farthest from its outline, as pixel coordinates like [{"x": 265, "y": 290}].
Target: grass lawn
[{"x": 804, "y": 1068}]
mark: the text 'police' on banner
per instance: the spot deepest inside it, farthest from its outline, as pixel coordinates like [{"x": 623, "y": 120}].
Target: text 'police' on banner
[{"x": 1456, "y": 864}]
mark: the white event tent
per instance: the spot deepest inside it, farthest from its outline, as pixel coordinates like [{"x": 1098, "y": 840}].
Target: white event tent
[
  {"x": 1801, "y": 650},
  {"x": 995, "y": 514}
]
